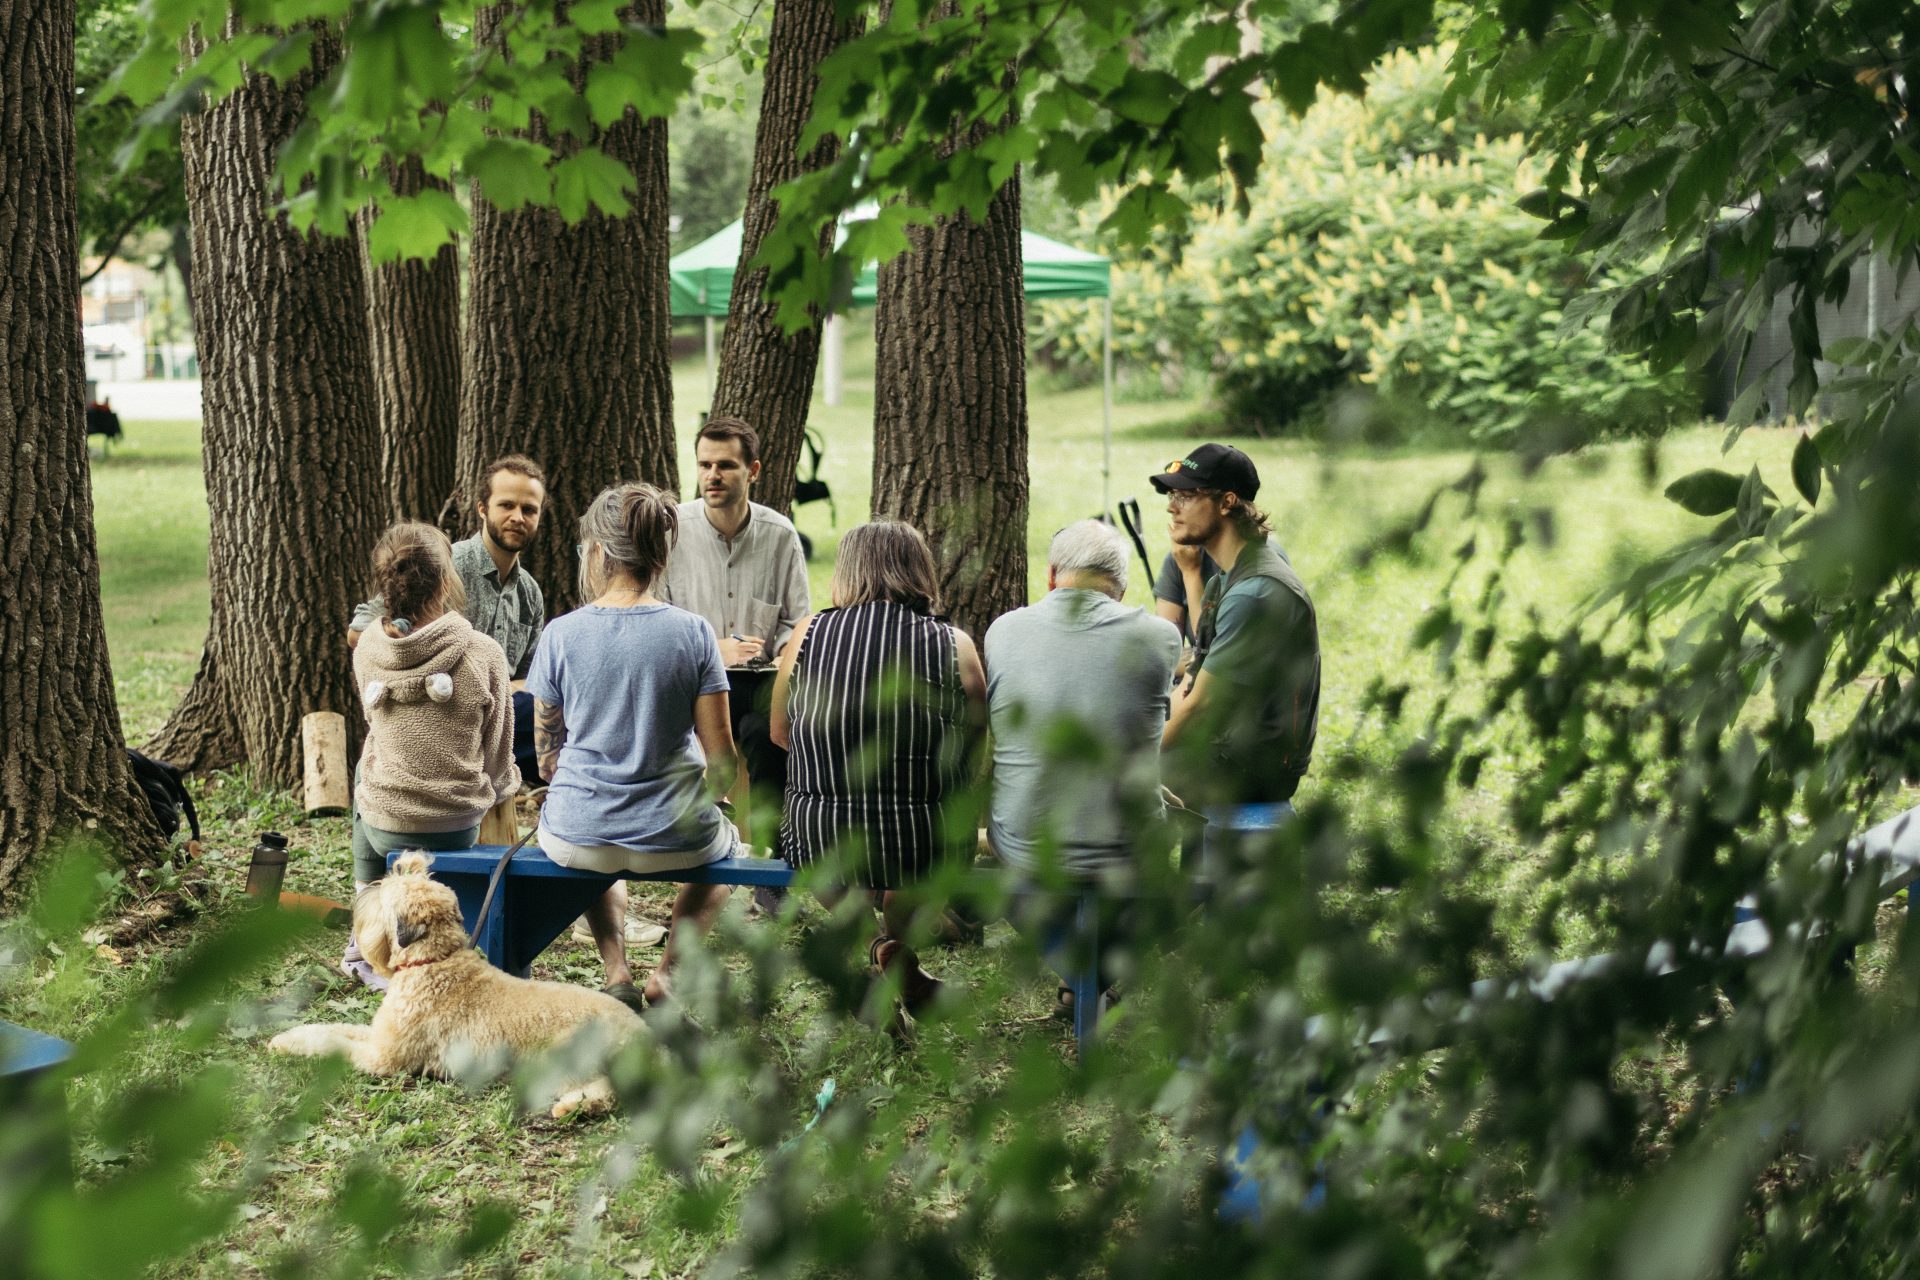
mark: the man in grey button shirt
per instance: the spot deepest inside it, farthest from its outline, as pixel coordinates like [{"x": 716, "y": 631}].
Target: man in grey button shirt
[
  {"x": 739, "y": 565},
  {"x": 503, "y": 600}
]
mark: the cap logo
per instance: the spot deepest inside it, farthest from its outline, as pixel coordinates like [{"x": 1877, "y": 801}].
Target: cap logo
[{"x": 1178, "y": 465}]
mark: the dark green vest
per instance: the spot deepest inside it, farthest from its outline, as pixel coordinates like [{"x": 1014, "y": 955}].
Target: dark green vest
[{"x": 1266, "y": 740}]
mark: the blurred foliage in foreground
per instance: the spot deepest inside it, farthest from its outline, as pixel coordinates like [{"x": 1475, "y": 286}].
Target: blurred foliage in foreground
[
  {"x": 1342, "y": 996},
  {"x": 1722, "y": 1111}
]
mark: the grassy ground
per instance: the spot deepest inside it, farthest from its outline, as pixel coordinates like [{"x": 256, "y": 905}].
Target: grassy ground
[{"x": 450, "y": 1148}]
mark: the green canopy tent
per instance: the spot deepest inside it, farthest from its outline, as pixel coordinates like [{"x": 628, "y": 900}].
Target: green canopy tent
[{"x": 702, "y": 285}]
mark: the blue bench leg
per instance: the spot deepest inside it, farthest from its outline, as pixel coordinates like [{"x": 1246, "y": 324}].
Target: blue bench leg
[
  {"x": 498, "y": 930},
  {"x": 1084, "y": 981},
  {"x": 33, "y": 1114},
  {"x": 1240, "y": 1198},
  {"x": 524, "y": 922}
]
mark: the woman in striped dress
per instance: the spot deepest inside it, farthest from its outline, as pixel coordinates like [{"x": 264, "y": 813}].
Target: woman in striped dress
[{"x": 881, "y": 704}]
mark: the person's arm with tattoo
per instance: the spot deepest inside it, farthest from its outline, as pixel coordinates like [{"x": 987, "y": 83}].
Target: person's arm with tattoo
[{"x": 549, "y": 735}]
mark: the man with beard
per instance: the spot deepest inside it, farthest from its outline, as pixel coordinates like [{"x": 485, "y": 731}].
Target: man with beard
[
  {"x": 1246, "y": 713},
  {"x": 739, "y": 565},
  {"x": 503, "y": 600}
]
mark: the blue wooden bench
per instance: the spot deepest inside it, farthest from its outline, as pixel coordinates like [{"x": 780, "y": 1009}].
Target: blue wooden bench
[
  {"x": 39, "y": 1128},
  {"x": 27, "y": 1055},
  {"x": 538, "y": 899}
]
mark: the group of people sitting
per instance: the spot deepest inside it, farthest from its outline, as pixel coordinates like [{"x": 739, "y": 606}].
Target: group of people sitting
[{"x": 696, "y": 656}]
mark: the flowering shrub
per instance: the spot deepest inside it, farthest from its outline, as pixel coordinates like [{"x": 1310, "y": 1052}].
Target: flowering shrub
[
  {"x": 1155, "y": 314},
  {"x": 1382, "y": 247}
]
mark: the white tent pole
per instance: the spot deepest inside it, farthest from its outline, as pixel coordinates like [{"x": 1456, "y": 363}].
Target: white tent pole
[
  {"x": 1106, "y": 405},
  {"x": 833, "y": 358},
  {"x": 709, "y": 364}
]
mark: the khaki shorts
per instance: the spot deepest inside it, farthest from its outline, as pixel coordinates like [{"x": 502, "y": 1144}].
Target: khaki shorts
[{"x": 611, "y": 859}]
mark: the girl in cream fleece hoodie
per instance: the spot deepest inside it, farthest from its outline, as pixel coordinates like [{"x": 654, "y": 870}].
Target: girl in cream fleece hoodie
[{"x": 439, "y": 704}]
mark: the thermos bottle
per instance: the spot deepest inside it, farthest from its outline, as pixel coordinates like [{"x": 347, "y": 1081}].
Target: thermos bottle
[{"x": 268, "y": 868}]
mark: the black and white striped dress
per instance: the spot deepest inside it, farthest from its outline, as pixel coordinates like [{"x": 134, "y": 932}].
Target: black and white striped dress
[{"x": 877, "y": 743}]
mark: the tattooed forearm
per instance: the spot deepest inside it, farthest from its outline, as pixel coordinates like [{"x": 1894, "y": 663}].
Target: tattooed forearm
[{"x": 549, "y": 735}]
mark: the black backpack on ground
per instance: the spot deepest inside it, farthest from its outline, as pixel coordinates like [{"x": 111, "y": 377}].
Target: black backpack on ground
[{"x": 166, "y": 793}]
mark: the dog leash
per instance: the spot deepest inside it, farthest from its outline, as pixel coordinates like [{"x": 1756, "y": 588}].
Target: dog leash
[{"x": 493, "y": 882}]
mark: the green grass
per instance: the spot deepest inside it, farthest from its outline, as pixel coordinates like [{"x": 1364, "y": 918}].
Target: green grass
[
  {"x": 150, "y": 512},
  {"x": 449, "y": 1148}
]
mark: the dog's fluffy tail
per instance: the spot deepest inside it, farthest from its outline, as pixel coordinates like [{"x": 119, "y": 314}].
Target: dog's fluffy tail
[{"x": 412, "y": 863}]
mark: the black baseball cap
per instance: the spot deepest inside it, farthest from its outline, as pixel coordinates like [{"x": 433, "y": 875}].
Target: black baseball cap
[{"x": 1212, "y": 466}]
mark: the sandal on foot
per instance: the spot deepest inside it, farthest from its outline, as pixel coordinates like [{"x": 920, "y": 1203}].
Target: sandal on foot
[
  {"x": 919, "y": 989},
  {"x": 627, "y": 994},
  {"x": 956, "y": 928},
  {"x": 1063, "y": 1001},
  {"x": 662, "y": 986}
]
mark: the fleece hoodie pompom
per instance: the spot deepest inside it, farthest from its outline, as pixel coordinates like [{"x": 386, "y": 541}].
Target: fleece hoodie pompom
[{"x": 439, "y": 707}]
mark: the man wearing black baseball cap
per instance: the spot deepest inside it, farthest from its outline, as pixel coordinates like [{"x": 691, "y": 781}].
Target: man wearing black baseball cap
[{"x": 1252, "y": 692}]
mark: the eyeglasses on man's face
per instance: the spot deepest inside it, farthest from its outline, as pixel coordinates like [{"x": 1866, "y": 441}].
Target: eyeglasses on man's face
[{"x": 1186, "y": 497}]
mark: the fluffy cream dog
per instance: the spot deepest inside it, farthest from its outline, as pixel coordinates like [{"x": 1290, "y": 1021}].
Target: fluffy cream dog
[{"x": 447, "y": 1005}]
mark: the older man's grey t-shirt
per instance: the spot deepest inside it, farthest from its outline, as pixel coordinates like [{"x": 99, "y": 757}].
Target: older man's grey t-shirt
[{"x": 1077, "y": 689}]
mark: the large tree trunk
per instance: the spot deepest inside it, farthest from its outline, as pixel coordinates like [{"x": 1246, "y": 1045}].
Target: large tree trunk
[
  {"x": 291, "y": 444},
  {"x": 413, "y": 322},
  {"x": 766, "y": 374},
  {"x": 950, "y": 405},
  {"x": 62, "y": 763},
  {"x": 567, "y": 355}
]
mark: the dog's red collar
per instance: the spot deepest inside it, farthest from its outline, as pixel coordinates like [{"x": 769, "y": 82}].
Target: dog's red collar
[{"x": 415, "y": 964}]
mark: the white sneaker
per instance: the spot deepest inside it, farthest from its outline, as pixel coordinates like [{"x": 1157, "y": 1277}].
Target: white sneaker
[{"x": 640, "y": 933}]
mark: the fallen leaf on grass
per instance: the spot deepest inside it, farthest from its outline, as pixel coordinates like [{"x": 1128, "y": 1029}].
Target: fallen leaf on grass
[{"x": 108, "y": 954}]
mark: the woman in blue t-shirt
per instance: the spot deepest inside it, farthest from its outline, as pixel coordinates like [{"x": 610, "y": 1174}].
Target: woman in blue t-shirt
[{"x": 630, "y": 725}]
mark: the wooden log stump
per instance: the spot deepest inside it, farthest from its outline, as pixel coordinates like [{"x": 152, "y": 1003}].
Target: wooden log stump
[
  {"x": 323, "y": 742},
  {"x": 501, "y": 825}
]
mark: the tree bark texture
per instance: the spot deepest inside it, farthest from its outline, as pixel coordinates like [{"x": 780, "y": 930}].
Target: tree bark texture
[
  {"x": 290, "y": 440},
  {"x": 567, "y": 356},
  {"x": 180, "y": 249},
  {"x": 413, "y": 322},
  {"x": 950, "y": 405},
  {"x": 63, "y": 767},
  {"x": 766, "y": 374}
]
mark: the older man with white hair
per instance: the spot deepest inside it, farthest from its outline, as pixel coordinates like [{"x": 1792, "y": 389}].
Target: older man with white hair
[{"x": 1077, "y": 689}]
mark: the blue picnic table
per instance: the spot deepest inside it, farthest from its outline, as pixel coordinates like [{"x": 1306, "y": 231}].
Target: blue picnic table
[
  {"x": 538, "y": 899},
  {"x": 36, "y": 1120}
]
